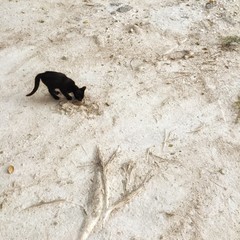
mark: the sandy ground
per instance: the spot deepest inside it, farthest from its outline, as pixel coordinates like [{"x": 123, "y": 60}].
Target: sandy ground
[{"x": 153, "y": 151}]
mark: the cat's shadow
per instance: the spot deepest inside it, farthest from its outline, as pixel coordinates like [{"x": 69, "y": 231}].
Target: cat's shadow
[{"x": 43, "y": 100}]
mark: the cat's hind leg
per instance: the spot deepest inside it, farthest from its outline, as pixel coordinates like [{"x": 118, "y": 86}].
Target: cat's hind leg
[{"x": 53, "y": 93}]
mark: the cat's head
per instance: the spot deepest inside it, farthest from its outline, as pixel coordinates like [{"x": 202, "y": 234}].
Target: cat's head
[{"x": 79, "y": 93}]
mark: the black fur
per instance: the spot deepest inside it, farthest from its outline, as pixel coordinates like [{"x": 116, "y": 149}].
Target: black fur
[{"x": 57, "y": 80}]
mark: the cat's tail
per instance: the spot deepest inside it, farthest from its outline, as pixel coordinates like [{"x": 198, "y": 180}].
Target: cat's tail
[{"x": 37, "y": 81}]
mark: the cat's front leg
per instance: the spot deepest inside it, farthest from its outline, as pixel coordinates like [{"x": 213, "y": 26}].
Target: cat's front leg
[
  {"x": 53, "y": 93},
  {"x": 67, "y": 96}
]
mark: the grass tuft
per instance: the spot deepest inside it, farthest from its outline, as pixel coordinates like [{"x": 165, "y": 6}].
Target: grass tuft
[{"x": 230, "y": 41}]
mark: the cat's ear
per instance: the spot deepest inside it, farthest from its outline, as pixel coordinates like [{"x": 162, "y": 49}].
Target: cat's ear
[{"x": 84, "y": 88}]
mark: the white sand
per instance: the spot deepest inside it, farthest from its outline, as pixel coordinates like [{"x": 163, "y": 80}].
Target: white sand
[{"x": 169, "y": 113}]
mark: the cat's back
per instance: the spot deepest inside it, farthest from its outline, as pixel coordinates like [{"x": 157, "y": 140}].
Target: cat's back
[
  {"x": 53, "y": 75},
  {"x": 53, "y": 79}
]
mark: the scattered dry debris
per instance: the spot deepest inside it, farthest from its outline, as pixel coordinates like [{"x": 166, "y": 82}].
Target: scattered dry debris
[
  {"x": 86, "y": 108},
  {"x": 184, "y": 54},
  {"x": 160, "y": 158},
  {"x": 10, "y": 169}
]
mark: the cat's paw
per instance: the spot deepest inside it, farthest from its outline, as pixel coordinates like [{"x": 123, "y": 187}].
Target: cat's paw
[{"x": 56, "y": 98}]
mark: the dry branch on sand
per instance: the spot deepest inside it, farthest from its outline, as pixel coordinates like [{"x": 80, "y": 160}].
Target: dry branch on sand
[
  {"x": 41, "y": 203},
  {"x": 100, "y": 209}
]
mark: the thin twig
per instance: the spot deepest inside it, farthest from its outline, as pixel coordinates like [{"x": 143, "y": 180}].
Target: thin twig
[
  {"x": 218, "y": 184},
  {"x": 148, "y": 153},
  {"x": 166, "y": 137},
  {"x": 197, "y": 129},
  {"x": 164, "y": 160},
  {"x": 113, "y": 156},
  {"x": 83, "y": 149},
  {"x": 41, "y": 203},
  {"x": 223, "y": 114},
  {"x": 131, "y": 64}
]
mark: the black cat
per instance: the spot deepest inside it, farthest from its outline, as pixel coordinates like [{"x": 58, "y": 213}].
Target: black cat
[{"x": 57, "y": 80}]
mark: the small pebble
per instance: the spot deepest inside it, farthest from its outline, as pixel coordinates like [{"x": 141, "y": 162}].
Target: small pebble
[
  {"x": 124, "y": 9},
  {"x": 210, "y": 4},
  {"x": 64, "y": 58},
  {"x": 10, "y": 169}
]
